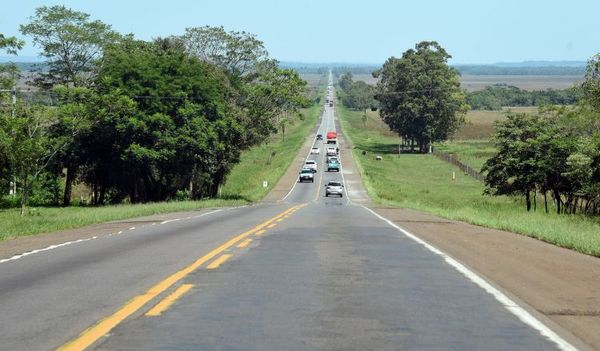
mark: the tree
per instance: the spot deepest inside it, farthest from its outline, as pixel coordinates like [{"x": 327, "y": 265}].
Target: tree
[
  {"x": 28, "y": 144},
  {"x": 419, "y": 95},
  {"x": 239, "y": 53},
  {"x": 11, "y": 44},
  {"x": 591, "y": 83},
  {"x": 275, "y": 97},
  {"x": 71, "y": 43},
  {"x": 346, "y": 81},
  {"x": 183, "y": 133}
]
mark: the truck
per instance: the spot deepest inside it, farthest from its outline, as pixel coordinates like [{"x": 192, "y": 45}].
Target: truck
[{"x": 331, "y": 138}]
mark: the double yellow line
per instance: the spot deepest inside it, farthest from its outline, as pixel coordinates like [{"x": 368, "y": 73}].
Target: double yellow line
[{"x": 103, "y": 327}]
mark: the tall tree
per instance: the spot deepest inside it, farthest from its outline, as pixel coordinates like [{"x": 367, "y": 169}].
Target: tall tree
[
  {"x": 71, "y": 43},
  {"x": 239, "y": 53},
  {"x": 420, "y": 96}
]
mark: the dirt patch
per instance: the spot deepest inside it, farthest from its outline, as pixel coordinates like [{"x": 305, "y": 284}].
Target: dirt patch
[{"x": 561, "y": 284}]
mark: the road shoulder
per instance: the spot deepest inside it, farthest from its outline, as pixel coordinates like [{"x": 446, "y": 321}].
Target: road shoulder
[{"x": 560, "y": 284}]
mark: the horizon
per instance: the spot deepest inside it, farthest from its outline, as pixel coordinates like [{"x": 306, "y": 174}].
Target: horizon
[{"x": 525, "y": 63}]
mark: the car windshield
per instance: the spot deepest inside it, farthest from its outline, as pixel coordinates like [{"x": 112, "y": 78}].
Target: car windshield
[
  {"x": 310, "y": 162},
  {"x": 306, "y": 171},
  {"x": 334, "y": 184}
]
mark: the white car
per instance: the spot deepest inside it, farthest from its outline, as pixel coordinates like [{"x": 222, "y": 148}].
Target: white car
[
  {"x": 331, "y": 151},
  {"x": 312, "y": 164},
  {"x": 334, "y": 188},
  {"x": 315, "y": 151}
]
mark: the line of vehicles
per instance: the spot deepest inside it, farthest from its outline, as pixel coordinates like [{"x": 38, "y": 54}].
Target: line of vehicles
[{"x": 307, "y": 174}]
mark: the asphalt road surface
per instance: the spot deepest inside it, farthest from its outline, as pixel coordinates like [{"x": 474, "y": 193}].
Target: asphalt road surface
[{"x": 306, "y": 273}]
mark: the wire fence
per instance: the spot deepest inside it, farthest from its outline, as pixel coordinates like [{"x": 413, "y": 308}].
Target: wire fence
[{"x": 467, "y": 170}]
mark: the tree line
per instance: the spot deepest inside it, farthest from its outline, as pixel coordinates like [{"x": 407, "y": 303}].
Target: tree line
[
  {"x": 356, "y": 95},
  {"x": 136, "y": 120},
  {"x": 497, "y": 96},
  {"x": 555, "y": 152}
]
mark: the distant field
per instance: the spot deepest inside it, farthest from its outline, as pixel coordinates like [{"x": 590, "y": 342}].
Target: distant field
[
  {"x": 473, "y": 82},
  {"x": 480, "y": 124},
  {"x": 314, "y": 79}
]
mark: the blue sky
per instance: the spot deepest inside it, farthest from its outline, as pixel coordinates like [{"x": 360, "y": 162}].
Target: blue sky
[{"x": 359, "y": 31}]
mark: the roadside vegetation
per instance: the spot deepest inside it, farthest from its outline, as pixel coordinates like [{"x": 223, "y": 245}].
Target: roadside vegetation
[
  {"x": 117, "y": 121},
  {"x": 50, "y": 219},
  {"x": 424, "y": 182},
  {"x": 547, "y": 161}
]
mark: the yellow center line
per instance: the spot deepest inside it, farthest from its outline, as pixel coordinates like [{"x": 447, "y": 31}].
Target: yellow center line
[
  {"x": 165, "y": 303},
  {"x": 271, "y": 225},
  {"x": 104, "y": 326},
  {"x": 260, "y": 232},
  {"x": 244, "y": 243},
  {"x": 219, "y": 261}
]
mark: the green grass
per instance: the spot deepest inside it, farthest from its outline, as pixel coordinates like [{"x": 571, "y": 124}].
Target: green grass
[
  {"x": 471, "y": 152},
  {"x": 424, "y": 182},
  {"x": 472, "y": 143},
  {"x": 49, "y": 219}
]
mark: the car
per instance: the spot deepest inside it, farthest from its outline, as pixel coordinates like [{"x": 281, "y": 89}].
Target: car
[
  {"x": 333, "y": 158},
  {"x": 315, "y": 151},
  {"x": 306, "y": 174},
  {"x": 319, "y": 136},
  {"x": 334, "y": 188},
  {"x": 333, "y": 165},
  {"x": 311, "y": 164},
  {"x": 331, "y": 151}
]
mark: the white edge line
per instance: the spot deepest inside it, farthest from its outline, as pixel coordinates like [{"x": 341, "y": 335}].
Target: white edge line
[
  {"x": 55, "y": 246},
  {"x": 48, "y": 248},
  {"x": 504, "y": 300}
]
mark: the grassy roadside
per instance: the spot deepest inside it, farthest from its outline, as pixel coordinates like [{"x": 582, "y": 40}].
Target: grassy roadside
[
  {"x": 49, "y": 219},
  {"x": 269, "y": 161},
  {"x": 425, "y": 183}
]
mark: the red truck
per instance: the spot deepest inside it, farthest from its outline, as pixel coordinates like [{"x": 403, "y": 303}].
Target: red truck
[{"x": 331, "y": 138}]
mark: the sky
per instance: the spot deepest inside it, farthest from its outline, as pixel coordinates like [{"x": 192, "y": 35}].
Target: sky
[{"x": 472, "y": 31}]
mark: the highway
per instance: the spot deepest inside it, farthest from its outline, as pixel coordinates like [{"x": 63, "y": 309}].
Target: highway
[{"x": 306, "y": 273}]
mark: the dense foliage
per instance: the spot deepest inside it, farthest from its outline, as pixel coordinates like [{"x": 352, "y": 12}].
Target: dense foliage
[
  {"x": 356, "y": 95},
  {"x": 555, "y": 152},
  {"x": 420, "y": 96},
  {"x": 497, "y": 96},
  {"x": 138, "y": 121}
]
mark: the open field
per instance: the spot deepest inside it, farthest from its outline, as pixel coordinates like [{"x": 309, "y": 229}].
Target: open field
[
  {"x": 424, "y": 182},
  {"x": 314, "y": 79},
  {"x": 269, "y": 161},
  {"x": 473, "y": 82}
]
